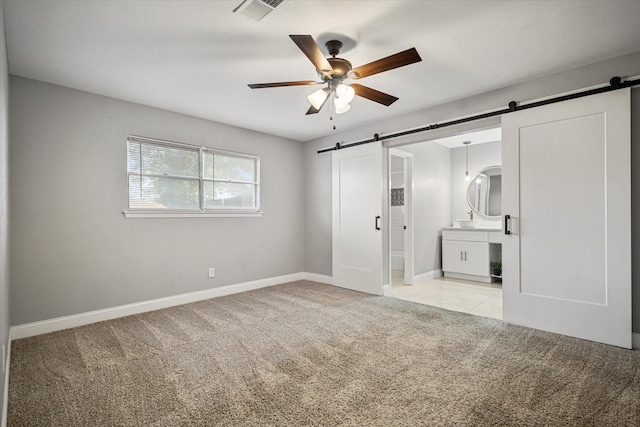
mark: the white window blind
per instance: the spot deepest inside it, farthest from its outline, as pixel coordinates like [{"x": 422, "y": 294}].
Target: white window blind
[{"x": 166, "y": 176}]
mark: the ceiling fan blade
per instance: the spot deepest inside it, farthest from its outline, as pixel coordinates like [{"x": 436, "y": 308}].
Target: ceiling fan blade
[
  {"x": 312, "y": 110},
  {"x": 397, "y": 60},
  {"x": 281, "y": 84},
  {"x": 310, "y": 48},
  {"x": 373, "y": 95}
]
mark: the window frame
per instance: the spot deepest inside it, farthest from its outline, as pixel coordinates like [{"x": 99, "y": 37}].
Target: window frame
[{"x": 202, "y": 211}]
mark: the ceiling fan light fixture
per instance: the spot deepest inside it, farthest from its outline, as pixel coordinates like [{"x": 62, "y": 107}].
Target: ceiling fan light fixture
[
  {"x": 333, "y": 71},
  {"x": 318, "y": 98},
  {"x": 345, "y": 93},
  {"x": 341, "y": 106}
]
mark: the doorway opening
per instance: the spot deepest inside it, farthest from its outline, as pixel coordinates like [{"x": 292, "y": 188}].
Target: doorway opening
[
  {"x": 427, "y": 196},
  {"x": 401, "y": 248}
]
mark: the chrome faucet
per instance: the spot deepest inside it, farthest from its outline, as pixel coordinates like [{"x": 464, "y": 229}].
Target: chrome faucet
[{"x": 470, "y": 215}]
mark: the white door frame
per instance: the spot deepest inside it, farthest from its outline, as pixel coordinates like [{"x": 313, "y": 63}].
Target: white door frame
[{"x": 409, "y": 273}]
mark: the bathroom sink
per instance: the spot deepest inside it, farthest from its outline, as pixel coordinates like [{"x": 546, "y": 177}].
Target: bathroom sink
[{"x": 467, "y": 223}]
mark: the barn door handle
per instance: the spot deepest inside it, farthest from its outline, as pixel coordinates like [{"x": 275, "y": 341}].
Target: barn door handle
[
  {"x": 377, "y": 224},
  {"x": 507, "y": 224}
]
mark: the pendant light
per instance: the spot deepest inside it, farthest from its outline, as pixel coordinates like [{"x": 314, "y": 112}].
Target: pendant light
[{"x": 466, "y": 173}]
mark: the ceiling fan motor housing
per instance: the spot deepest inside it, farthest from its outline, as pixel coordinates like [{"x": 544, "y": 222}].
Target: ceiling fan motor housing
[{"x": 341, "y": 67}]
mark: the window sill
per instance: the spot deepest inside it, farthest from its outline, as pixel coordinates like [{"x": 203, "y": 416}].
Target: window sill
[{"x": 164, "y": 214}]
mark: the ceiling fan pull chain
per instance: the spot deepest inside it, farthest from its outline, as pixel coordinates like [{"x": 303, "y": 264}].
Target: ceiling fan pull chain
[{"x": 333, "y": 115}]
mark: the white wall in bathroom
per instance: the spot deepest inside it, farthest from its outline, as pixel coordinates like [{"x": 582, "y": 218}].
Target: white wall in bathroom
[
  {"x": 480, "y": 156},
  {"x": 397, "y": 229},
  {"x": 397, "y": 218},
  {"x": 431, "y": 202}
]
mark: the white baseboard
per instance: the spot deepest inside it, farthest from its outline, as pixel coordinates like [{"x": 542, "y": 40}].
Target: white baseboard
[
  {"x": 425, "y": 277},
  {"x": 5, "y": 394},
  {"x": 320, "y": 278},
  {"x": 386, "y": 290},
  {"x": 81, "y": 319}
]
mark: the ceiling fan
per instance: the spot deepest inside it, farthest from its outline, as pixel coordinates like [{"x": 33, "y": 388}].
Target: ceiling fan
[{"x": 333, "y": 71}]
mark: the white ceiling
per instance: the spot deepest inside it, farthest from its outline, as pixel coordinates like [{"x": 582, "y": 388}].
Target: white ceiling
[
  {"x": 478, "y": 137},
  {"x": 196, "y": 57}
]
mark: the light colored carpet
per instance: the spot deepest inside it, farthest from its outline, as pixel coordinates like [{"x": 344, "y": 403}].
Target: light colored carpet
[{"x": 307, "y": 354}]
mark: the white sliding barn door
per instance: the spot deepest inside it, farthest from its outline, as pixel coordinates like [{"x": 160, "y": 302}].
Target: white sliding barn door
[
  {"x": 357, "y": 218},
  {"x": 566, "y": 186}
]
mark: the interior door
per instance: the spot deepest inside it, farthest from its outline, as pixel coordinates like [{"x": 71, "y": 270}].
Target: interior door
[
  {"x": 357, "y": 218},
  {"x": 566, "y": 186}
]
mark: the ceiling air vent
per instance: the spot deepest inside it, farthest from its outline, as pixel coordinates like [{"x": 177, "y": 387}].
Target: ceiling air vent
[{"x": 257, "y": 9}]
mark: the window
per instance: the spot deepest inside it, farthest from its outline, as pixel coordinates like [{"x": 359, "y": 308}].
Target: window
[{"x": 172, "y": 179}]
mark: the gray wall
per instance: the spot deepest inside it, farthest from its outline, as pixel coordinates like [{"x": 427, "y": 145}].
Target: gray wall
[
  {"x": 318, "y": 166},
  {"x": 480, "y": 156},
  {"x": 72, "y": 250},
  {"x": 431, "y": 201},
  {"x": 4, "y": 202}
]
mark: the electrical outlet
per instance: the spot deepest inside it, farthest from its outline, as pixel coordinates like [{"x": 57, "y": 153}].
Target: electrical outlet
[{"x": 212, "y": 272}]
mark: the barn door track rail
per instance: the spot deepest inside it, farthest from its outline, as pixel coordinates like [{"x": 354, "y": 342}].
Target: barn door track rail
[{"x": 614, "y": 84}]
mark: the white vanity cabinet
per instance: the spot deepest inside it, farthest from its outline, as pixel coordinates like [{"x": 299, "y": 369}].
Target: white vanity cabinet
[{"x": 466, "y": 253}]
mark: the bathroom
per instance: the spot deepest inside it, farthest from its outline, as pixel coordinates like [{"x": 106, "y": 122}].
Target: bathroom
[{"x": 429, "y": 196}]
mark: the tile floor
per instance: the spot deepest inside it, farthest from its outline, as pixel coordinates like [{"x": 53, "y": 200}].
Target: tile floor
[{"x": 480, "y": 299}]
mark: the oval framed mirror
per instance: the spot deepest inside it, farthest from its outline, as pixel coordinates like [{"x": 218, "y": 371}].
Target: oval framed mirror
[{"x": 484, "y": 193}]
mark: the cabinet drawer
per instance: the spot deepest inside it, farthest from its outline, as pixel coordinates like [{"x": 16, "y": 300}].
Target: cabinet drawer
[{"x": 469, "y": 236}]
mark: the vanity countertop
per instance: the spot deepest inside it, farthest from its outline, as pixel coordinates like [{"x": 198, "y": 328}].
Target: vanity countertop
[{"x": 472, "y": 229}]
